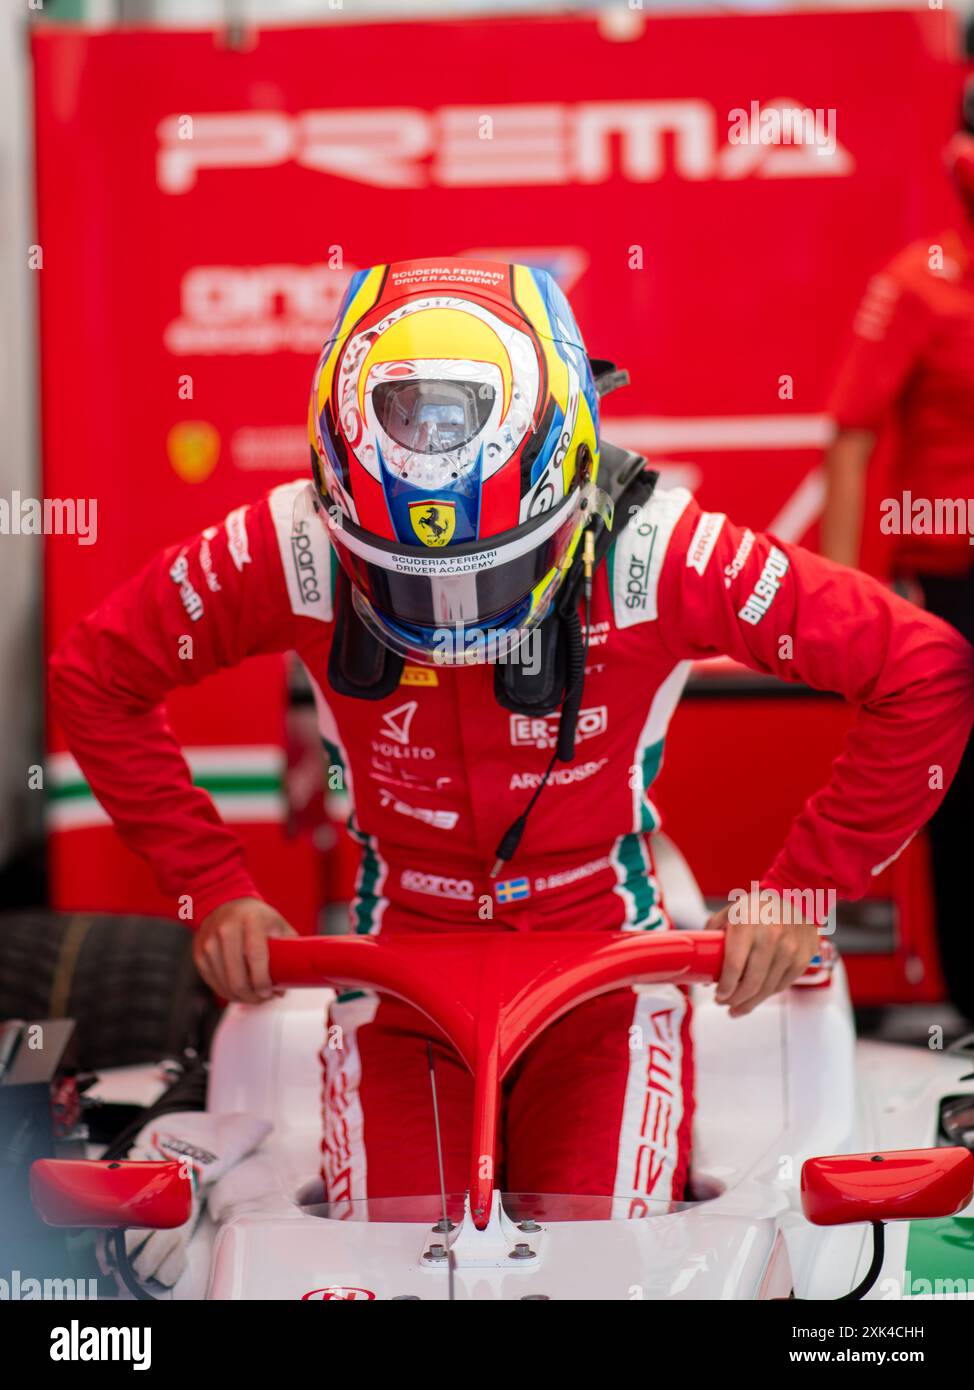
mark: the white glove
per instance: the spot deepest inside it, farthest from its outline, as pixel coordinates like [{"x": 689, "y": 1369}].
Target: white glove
[
  {"x": 209, "y": 1146},
  {"x": 251, "y": 1184}
]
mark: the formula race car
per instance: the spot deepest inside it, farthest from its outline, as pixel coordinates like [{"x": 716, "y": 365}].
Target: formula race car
[{"x": 806, "y": 1144}]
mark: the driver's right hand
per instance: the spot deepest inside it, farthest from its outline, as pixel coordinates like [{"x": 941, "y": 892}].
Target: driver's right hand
[{"x": 230, "y": 949}]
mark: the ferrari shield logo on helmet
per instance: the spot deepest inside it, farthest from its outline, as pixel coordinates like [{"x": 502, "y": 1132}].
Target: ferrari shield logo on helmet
[{"x": 433, "y": 522}]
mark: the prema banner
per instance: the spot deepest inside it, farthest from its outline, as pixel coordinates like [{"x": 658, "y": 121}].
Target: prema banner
[{"x": 712, "y": 193}]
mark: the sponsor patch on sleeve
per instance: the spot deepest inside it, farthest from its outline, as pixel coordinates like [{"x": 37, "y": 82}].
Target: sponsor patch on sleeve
[
  {"x": 733, "y": 570},
  {"x": 238, "y": 542},
  {"x": 766, "y": 589},
  {"x": 704, "y": 540},
  {"x": 305, "y": 554},
  {"x": 637, "y": 557},
  {"x": 189, "y": 597}
]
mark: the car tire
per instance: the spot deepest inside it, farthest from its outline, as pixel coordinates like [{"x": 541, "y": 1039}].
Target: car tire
[{"x": 128, "y": 982}]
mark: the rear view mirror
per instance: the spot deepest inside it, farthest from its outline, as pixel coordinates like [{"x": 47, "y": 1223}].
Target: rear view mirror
[
  {"x": 893, "y": 1185},
  {"x": 957, "y": 1120},
  {"x": 111, "y": 1195}
]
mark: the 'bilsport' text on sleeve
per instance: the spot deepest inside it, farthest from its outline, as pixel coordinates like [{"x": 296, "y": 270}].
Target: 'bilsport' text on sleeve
[
  {"x": 779, "y": 609},
  {"x": 197, "y": 607}
]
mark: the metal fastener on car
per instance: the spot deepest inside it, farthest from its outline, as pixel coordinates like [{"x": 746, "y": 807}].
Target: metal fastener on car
[
  {"x": 528, "y": 1225},
  {"x": 435, "y": 1252},
  {"x": 521, "y": 1251},
  {"x": 444, "y": 1225}
]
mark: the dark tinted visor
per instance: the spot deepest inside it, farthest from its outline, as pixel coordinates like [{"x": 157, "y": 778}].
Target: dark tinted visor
[{"x": 469, "y": 584}]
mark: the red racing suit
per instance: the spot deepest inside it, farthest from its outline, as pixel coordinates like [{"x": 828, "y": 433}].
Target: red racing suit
[{"x": 437, "y": 771}]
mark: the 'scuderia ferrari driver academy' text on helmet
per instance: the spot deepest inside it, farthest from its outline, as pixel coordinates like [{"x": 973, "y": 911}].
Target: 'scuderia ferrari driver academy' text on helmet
[{"x": 455, "y": 445}]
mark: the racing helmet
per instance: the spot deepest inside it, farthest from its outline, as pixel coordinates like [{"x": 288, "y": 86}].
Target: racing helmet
[{"x": 454, "y": 437}]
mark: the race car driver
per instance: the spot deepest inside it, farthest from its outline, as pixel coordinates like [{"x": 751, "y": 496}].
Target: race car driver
[{"x": 495, "y": 668}]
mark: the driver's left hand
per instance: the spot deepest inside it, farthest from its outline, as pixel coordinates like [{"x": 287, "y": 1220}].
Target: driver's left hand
[{"x": 761, "y": 957}]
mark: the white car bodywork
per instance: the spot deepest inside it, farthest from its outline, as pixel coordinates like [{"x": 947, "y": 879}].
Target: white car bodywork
[{"x": 781, "y": 1085}]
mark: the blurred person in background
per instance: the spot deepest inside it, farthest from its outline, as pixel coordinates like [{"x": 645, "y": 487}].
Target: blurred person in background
[{"x": 911, "y": 364}]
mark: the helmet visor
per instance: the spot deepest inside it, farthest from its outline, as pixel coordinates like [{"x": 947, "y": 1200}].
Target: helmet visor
[{"x": 432, "y": 417}]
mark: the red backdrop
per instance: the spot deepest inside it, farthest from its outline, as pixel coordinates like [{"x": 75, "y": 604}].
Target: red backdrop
[{"x": 201, "y": 207}]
